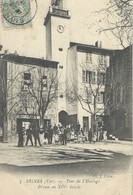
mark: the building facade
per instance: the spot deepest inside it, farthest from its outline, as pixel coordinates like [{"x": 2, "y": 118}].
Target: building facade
[
  {"x": 71, "y": 57},
  {"x": 86, "y": 70},
  {"x": 28, "y": 93},
  {"x": 119, "y": 92}
]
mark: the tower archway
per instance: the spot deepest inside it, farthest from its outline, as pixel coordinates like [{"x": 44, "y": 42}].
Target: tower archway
[{"x": 63, "y": 118}]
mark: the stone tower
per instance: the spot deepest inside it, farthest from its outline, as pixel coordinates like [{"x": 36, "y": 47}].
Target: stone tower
[{"x": 57, "y": 43}]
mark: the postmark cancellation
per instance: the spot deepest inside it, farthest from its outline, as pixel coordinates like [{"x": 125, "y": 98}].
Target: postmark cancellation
[{"x": 16, "y": 13}]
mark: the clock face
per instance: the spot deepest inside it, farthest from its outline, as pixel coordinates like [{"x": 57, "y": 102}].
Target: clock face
[{"x": 60, "y": 28}]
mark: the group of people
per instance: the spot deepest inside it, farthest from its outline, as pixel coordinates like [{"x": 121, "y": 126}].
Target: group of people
[
  {"x": 60, "y": 134},
  {"x": 57, "y": 134},
  {"x": 32, "y": 134}
]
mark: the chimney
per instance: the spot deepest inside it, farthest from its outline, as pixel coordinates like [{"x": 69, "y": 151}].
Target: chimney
[{"x": 98, "y": 44}]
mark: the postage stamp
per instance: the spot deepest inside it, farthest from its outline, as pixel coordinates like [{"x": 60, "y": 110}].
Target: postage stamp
[{"x": 18, "y": 12}]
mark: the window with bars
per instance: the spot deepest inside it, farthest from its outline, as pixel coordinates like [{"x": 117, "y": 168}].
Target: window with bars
[{"x": 88, "y": 76}]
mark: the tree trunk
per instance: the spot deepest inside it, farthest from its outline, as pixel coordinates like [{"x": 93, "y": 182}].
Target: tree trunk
[
  {"x": 41, "y": 122},
  {"x": 5, "y": 136},
  {"x": 95, "y": 119}
]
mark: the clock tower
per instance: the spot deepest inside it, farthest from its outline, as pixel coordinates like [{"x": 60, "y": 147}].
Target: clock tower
[{"x": 57, "y": 43}]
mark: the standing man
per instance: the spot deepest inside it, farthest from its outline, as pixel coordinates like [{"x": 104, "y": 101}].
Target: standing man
[
  {"x": 29, "y": 135},
  {"x": 36, "y": 134},
  {"x": 65, "y": 136},
  {"x": 90, "y": 135},
  {"x": 50, "y": 134},
  {"x": 21, "y": 133},
  {"x": 101, "y": 134},
  {"x": 45, "y": 133},
  {"x": 55, "y": 129},
  {"x": 78, "y": 127}
]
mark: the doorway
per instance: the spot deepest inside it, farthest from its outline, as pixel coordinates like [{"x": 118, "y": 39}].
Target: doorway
[{"x": 25, "y": 123}]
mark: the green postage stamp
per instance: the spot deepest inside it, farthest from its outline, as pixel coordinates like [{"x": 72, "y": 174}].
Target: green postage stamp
[{"x": 18, "y": 12}]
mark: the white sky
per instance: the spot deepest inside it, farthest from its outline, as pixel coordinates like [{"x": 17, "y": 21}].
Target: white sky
[{"x": 31, "y": 41}]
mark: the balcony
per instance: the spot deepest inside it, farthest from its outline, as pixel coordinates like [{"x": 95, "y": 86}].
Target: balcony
[
  {"x": 57, "y": 12},
  {"x": 60, "y": 12}
]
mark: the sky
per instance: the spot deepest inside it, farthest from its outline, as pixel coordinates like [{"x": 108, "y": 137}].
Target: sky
[{"x": 30, "y": 40}]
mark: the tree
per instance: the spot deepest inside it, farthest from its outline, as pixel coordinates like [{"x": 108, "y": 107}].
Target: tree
[
  {"x": 40, "y": 92},
  {"x": 116, "y": 17},
  {"x": 90, "y": 90}
]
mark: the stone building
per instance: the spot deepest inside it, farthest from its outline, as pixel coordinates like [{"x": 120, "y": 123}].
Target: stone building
[{"x": 28, "y": 92}]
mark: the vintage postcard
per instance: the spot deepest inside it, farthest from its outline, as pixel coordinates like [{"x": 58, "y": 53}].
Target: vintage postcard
[{"x": 66, "y": 97}]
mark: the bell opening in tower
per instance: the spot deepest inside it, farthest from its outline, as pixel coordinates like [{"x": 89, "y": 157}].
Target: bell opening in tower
[{"x": 59, "y": 4}]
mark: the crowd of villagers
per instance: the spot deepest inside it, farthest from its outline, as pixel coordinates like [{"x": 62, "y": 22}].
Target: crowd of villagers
[{"x": 59, "y": 135}]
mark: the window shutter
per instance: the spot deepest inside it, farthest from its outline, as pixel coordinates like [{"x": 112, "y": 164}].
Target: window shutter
[
  {"x": 98, "y": 77},
  {"x": 105, "y": 60},
  {"x": 101, "y": 59},
  {"x": 83, "y": 76},
  {"x": 93, "y": 77}
]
